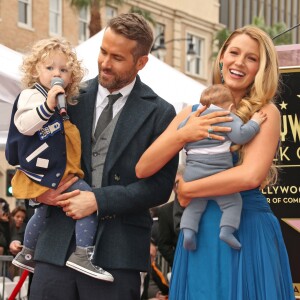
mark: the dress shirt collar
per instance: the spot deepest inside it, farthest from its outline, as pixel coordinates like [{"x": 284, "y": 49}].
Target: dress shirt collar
[
  {"x": 103, "y": 93},
  {"x": 102, "y": 99}
]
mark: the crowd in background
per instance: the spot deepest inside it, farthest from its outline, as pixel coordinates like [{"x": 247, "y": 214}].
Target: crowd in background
[{"x": 12, "y": 228}]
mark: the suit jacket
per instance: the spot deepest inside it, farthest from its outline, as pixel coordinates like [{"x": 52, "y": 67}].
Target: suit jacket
[{"x": 123, "y": 236}]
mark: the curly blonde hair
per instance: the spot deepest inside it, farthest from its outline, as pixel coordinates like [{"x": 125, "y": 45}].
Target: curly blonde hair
[
  {"x": 43, "y": 50},
  {"x": 264, "y": 87}
]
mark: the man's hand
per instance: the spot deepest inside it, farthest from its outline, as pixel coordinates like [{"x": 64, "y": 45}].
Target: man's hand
[
  {"x": 51, "y": 197},
  {"x": 79, "y": 206}
]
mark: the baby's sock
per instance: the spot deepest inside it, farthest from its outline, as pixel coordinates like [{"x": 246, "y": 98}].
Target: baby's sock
[
  {"x": 227, "y": 236},
  {"x": 189, "y": 240}
]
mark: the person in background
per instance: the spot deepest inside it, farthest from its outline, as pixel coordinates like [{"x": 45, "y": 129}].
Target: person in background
[
  {"x": 4, "y": 235},
  {"x": 17, "y": 230},
  {"x": 17, "y": 218},
  {"x": 169, "y": 216},
  {"x": 177, "y": 208},
  {"x": 167, "y": 238},
  {"x": 155, "y": 286},
  {"x": 155, "y": 233},
  {"x": 247, "y": 63},
  {"x": 4, "y": 227}
]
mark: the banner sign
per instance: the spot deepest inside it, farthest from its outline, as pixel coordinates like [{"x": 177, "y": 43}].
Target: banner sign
[{"x": 284, "y": 197}]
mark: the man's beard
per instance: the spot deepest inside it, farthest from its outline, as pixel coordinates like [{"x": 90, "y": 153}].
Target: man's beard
[{"x": 117, "y": 82}]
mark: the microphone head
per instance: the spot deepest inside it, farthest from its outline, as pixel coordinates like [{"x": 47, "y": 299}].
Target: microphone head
[{"x": 57, "y": 81}]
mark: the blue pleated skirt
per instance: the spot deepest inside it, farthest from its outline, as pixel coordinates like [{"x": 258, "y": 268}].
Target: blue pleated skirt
[{"x": 214, "y": 271}]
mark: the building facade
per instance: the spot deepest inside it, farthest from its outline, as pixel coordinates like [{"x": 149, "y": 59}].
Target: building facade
[
  {"x": 22, "y": 22},
  {"x": 237, "y": 13}
]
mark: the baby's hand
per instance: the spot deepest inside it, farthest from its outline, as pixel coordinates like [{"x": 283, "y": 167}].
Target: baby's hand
[
  {"x": 259, "y": 117},
  {"x": 52, "y": 93}
]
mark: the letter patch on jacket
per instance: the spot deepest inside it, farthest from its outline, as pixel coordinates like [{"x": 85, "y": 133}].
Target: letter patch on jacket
[{"x": 49, "y": 130}]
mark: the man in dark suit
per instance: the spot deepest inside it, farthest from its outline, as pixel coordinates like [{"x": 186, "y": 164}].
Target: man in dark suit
[{"x": 121, "y": 200}]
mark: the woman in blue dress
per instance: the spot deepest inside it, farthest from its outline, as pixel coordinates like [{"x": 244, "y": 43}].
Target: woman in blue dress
[{"x": 247, "y": 64}]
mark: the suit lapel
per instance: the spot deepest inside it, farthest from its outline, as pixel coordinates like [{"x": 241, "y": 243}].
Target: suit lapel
[
  {"x": 85, "y": 122},
  {"x": 135, "y": 112}
]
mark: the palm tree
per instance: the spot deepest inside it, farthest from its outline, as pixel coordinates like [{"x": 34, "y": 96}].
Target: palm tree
[
  {"x": 146, "y": 14},
  {"x": 272, "y": 31},
  {"x": 219, "y": 39},
  {"x": 95, "y": 22}
]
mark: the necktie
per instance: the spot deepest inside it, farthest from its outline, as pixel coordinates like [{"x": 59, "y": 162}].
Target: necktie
[{"x": 106, "y": 115}]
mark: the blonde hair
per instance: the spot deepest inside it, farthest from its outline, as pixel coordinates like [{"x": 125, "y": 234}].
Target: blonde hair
[
  {"x": 264, "y": 88},
  {"x": 43, "y": 50}
]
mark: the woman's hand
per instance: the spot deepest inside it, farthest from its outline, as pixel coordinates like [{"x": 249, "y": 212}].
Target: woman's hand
[
  {"x": 200, "y": 127},
  {"x": 51, "y": 197},
  {"x": 180, "y": 187},
  {"x": 171, "y": 141}
]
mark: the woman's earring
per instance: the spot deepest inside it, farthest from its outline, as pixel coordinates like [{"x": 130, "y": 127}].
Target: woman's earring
[{"x": 221, "y": 72}]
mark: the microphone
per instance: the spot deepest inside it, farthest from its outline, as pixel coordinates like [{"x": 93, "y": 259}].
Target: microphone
[{"x": 60, "y": 98}]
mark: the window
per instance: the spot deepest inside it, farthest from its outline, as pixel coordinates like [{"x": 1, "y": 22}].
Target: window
[
  {"x": 232, "y": 15},
  {"x": 268, "y": 12},
  {"x": 55, "y": 17},
  {"x": 24, "y": 10},
  {"x": 246, "y": 10},
  {"x": 281, "y": 11},
  {"x": 295, "y": 20},
  {"x": 83, "y": 24},
  {"x": 254, "y": 10},
  {"x": 158, "y": 32},
  {"x": 110, "y": 12},
  {"x": 274, "y": 11},
  {"x": 159, "y": 39},
  {"x": 196, "y": 65}
]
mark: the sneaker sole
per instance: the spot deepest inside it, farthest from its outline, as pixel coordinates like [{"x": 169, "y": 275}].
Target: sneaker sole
[
  {"x": 22, "y": 266},
  {"x": 89, "y": 273}
]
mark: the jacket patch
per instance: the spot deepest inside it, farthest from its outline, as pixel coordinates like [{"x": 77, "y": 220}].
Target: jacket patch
[
  {"x": 42, "y": 163},
  {"x": 49, "y": 130},
  {"x": 37, "y": 152}
]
